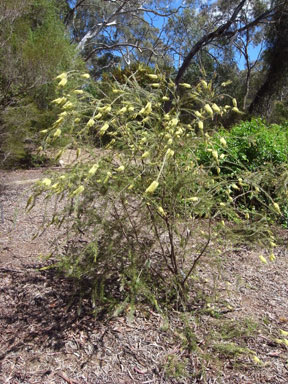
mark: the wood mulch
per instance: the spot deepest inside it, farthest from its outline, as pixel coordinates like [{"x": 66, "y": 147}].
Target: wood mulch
[{"x": 44, "y": 338}]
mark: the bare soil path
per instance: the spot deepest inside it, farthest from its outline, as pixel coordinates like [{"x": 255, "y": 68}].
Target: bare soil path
[{"x": 43, "y": 339}]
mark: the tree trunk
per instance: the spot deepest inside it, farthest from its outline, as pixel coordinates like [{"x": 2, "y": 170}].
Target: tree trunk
[{"x": 277, "y": 75}]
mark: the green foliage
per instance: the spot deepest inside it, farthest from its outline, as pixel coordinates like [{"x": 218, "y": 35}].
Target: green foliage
[
  {"x": 252, "y": 144},
  {"x": 132, "y": 212},
  {"x": 33, "y": 49},
  {"x": 256, "y": 152}
]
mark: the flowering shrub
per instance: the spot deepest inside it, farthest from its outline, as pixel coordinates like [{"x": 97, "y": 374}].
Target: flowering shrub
[{"x": 139, "y": 216}]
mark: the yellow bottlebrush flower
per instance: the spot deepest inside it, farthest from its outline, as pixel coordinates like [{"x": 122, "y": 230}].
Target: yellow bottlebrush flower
[
  {"x": 147, "y": 109},
  {"x": 98, "y": 116},
  {"x": 208, "y": 109},
  {"x": 204, "y": 84},
  {"x": 145, "y": 155},
  {"x": 62, "y": 76},
  {"x": 44, "y": 131},
  {"x": 170, "y": 152},
  {"x": 198, "y": 114},
  {"x": 77, "y": 120},
  {"x": 247, "y": 216},
  {"x": 68, "y": 105},
  {"x": 155, "y": 85},
  {"x": 57, "y": 133},
  {"x": 104, "y": 129},
  {"x": 152, "y": 76},
  {"x": 278, "y": 341},
  {"x": 77, "y": 191},
  {"x": 228, "y": 82},
  {"x": 58, "y": 121},
  {"x": 223, "y": 142},
  {"x": 263, "y": 259},
  {"x": 173, "y": 122},
  {"x": 272, "y": 257},
  {"x": 234, "y": 101},
  {"x": 165, "y": 98},
  {"x": 216, "y": 108},
  {"x": 62, "y": 177},
  {"x": 63, "y": 114},
  {"x": 215, "y": 154},
  {"x": 63, "y": 82},
  {"x": 235, "y": 109},
  {"x": 283, "y": 333},
  {"x": 146, "y": 119},
  {"x": 223, "y": 223},
  {"x": 257, "y": 360},
  {"x": 54, "y": 186},
  {"x": 78, "y": 91},
  {"x": 222, "y": 156},
  {"x": 93, "y": 169},
  {"x": 185, "y": 85},
  {"x": 161, "y": 211},
  {"x": 170, "y": 141},
  {"x": 152, "y": 187},
  {"x": 277, "y": 208},
  {"x": 200, "y": 125},
  {"x": 108, "y": 175},
  {"x": 115, "y": 91},
  {"x": 120, "y": 169},
  {"x": 235, "y": 186},
  {"x": 222, "y": 205},
  {"x": 122, "y": 111},
  {"x": 46, "y": 182},
  {"x": 90, "y": 123},
  {"x": 272, "y": 244},
  {"x": 61, "y": 100},
  {"x": 194, "y": 199},
  {"x": 107, "y": 109},
  {"x": 285, "y": 341},
  {"x": 85, "y": 76},
  {"x": 39, "y": 149},
  {"x": 257, "y": 189},
  {"x": 131, "y": 186},
  {"x": 131, "y": 108}
]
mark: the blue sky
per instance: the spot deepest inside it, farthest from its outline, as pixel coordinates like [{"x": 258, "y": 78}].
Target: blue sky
[{"x": 253, "y": 50}]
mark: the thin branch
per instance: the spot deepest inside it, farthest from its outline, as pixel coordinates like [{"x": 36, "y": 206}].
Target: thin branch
[{"x": 199, "y": 256}]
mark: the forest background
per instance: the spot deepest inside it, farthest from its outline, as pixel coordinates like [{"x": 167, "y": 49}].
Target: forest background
[{"x": 186, "y": 40}]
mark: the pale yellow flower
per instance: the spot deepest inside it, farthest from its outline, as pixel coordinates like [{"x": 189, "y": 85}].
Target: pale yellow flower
[
  {"x": 185, "y": 85},
  {"x": 46, "y": 182},
  {"x": 263, "y": 259},
  {"x": 223, "y": 142},
  {"x": 93, "y": 170},
  {"x": 90, "y": 123},
  {"x": 152, "y": 187},
  {"x": 79, "y": 190},
  {"x": 57, "y": 133},
  {"x": 152, "y": 76},
  {"x": 208, "y": 109}
]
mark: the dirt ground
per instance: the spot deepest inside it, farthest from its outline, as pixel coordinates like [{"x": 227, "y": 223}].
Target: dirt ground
[{"x": 44, "y": 339}]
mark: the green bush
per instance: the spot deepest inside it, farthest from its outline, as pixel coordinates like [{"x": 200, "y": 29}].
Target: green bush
[
  {"x": 260, "y": 153},
  {"x": 252, "y": 144},
  {"x": 133, "y": 227}
]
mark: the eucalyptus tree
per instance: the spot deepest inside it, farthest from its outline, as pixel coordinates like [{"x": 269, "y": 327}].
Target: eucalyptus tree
[
  {"x": 275, "y": 85},
  {"x": 112, "y": 31},
  {"x": 33, "y": 49}
]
